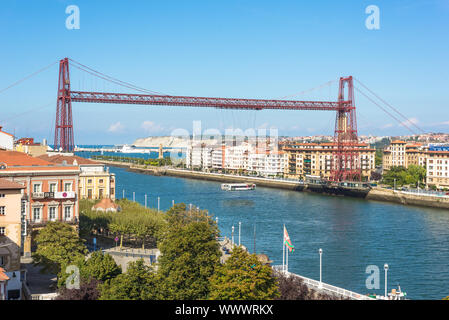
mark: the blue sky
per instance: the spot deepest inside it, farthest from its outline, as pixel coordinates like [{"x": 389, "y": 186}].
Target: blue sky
[{"x": 248, "y": 49}]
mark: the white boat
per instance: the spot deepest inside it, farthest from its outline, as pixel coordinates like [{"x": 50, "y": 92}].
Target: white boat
[
  {"x": 237, "y": 186},
  {"x": 130, "y": 149}
]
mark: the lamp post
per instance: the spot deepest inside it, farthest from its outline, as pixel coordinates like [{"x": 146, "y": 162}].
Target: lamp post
[
  {"x": 232, "y": 241},
  {"x": 158, "y": 203},
  {"x": 145, "y": 201},
  {"x": 240, "y": 225},
  {"x": 386, "y": 272},
  {"x": 321, "y": 266}
]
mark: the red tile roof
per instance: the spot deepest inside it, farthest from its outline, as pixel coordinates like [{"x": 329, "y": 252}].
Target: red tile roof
[
  {"x": 6, "y": 184},
  {"x": 19, "y": 161},
  {"x": 15, "y": 158},
  {"x": 58, "y": 158}
]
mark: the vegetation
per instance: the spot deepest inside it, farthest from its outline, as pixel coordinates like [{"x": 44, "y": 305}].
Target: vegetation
[
  {"x": 58, "y": 244},
  {"x": 401, "y": 176},
  {"x": 378, "y": 157},
  {"x": 138, "y": 283},
  {"x": 189, "y": 254},
  {"x": 243, "y": 277},
  {"x": 141, "y": 161},
  {"x": 88, "y": 291},
  {"x": 134, "y": 221}
]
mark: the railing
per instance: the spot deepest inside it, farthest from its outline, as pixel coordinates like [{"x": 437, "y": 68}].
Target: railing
[
  {"x": 321, "y": 286},
  {"x": 425, "y": 192},
  {"x": 45, "y": 296}
]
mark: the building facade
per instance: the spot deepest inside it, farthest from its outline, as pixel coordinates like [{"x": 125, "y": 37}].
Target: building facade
[
  {"x": 402, "y": 154},
  {"x": 50, "y": 192},
  {"x": 11, "y": 195},
  {"x": 6, "y": 140},
  {"x": 95, "y": 180},
  {"x": 437, "y": 167},
  {"x": 315, "y": 159}
]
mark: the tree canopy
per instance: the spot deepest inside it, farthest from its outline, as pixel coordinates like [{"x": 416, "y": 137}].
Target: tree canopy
[
  {"x": 405, "y": 176},
  {"x": 189, "y": 254},
  {"x": 58, "y": 244},
  {"x": 243, "y": 277},
  {"x": 140, "y": 282}
]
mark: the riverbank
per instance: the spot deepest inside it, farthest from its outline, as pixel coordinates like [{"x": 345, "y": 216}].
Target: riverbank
[{"x": 376, "y": 194}]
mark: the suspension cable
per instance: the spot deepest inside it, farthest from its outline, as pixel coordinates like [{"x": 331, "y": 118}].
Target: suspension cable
[
  {"x": 111, "y": 79},
  {"x": 391, "y": 107},
  {"x": 378, "y": 105},
  {"x": 27, "y": 77},
  {"x": 329, "y": 83}
]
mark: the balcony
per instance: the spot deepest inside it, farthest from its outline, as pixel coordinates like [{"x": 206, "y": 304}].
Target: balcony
[{"x": 43, "y": 223}]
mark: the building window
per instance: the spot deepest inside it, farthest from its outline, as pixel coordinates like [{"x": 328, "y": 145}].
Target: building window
[
  {"x": 89, "y": 181},
  {"x": 2, "y": 210},
  {"x": 53, "y": 187},
  {"x": 2, "y": 231},
  {"x": 68, "y": 186},
  {"x": 67, "y": 213},
  {"x": 37, "y": 187},
  {"x": 52, "y": 213},
  {"x": 101, "y": 181},
  {"x": 2, "y": 258},
  {"x": 37, "y": 214}
]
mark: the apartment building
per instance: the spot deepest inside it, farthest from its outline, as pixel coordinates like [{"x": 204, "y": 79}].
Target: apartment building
[
  {"x": 238, "y": 159},
  {"x": 401, "y": 153},
  {"x": 10, "y": 238},
  {"x": 50, "y": 192},
  {"x": 95, "y": 180},
  {"x": 316, "y": 159},
  {"x": 437, "y": 164}
]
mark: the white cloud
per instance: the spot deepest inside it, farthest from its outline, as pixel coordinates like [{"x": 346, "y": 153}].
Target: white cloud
[
  {"x": 150, "y": 126},
  {"x": 388, "y": 125},
  {"x": 116, "y": 127}
]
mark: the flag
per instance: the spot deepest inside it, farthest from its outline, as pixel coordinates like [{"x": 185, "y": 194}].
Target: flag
[{"x": 287, "y": 241}]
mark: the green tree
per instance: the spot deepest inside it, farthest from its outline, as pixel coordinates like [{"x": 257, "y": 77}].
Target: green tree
[
  {"x": 138, "y": 283},
  {"x": 189, "y": 254},
  {"x": 58, "y": 244},
  {"x": 243, "y": 277},
  {"x": 101, "y": 267}
]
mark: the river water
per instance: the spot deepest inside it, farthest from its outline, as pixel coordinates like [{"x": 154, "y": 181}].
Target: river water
[{"x": 353, "y": 233}]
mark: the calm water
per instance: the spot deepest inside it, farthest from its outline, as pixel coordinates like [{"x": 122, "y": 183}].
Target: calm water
[{"x": 353, "y": 233}]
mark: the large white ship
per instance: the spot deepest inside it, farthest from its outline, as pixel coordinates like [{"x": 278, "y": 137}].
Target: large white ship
[{"x": 131, "y": 149}]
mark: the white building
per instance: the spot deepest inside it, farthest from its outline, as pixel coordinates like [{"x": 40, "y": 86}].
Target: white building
[{"x": 6, "y": 140}]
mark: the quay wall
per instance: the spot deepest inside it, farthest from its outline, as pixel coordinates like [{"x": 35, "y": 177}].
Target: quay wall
[{"x": 397, "y": 196}]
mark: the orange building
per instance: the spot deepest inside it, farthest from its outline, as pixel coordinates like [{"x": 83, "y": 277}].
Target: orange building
[{"x": 50, "y": 192}]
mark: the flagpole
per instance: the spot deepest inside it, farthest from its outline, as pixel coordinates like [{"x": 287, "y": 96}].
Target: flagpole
[
  {"x": 287, "y": 260},
  {"x": 283, "y": 250}
]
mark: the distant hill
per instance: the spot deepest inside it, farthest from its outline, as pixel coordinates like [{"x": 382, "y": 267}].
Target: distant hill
[{"x": 167, "y": 142}]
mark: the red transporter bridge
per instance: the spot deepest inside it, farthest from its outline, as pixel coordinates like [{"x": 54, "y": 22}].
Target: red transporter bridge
[{"x": 345, "y": 163}]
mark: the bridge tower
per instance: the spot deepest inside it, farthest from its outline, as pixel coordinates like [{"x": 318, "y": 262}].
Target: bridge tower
[
  {"x": 64, "y": 123},
  {"x": 346, "y": 156}
]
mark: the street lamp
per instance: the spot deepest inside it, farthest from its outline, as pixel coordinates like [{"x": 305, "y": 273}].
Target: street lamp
[
  {"x": 321, "y": 268},
  {"x": 232, "y": 241},
  {"x": 240, "y": 225},
  {"x": 386, "y": 272}
]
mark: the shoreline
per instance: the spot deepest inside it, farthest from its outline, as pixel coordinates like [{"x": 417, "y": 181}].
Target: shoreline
[{"x": 375, "y": 194}]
